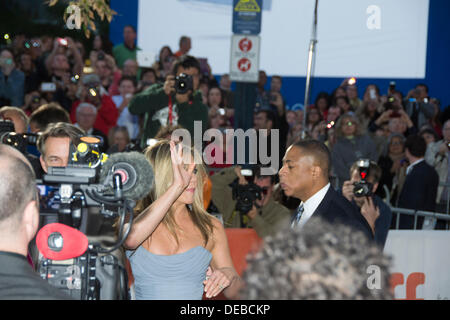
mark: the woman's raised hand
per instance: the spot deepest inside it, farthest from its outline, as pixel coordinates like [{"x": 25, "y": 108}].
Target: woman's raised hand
[{"x": 181, "y": 176}]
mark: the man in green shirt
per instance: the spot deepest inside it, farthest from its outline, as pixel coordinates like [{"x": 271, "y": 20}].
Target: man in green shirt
[
  {"x": 161, "y": 105},
  {"x": 126, "y": 50}
]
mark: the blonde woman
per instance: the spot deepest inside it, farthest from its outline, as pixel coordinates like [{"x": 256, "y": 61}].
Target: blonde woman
[{"x": 176, "y": 249}]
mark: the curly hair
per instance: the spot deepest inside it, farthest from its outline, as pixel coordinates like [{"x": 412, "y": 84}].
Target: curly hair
[{"x": 322, "y": 261}]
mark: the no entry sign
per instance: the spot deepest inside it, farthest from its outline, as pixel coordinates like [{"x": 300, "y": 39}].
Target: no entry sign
[{"x": 244, "y": 58}]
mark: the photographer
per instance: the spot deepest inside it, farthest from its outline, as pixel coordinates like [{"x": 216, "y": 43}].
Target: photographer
[
  {"x": 266, "y": 216},
  {"x": 374, "y": 210},
  {"x": 177, "y": 101},
  {"x": 92, "y": 92},
  {"x": 54, "y": 144},
  {"x": 418, "y": 106}
]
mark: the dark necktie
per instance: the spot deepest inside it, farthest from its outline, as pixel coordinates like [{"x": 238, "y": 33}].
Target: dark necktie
[{"x": 298, "y": 215}]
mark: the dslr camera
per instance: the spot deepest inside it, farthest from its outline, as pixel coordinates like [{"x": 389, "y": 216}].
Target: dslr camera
[
  {"x": 245, "y": 195},
  {"x": 183, "y": 83},
  {"x": 16, "y": 140},
  {"x": 363, "y": 188}
]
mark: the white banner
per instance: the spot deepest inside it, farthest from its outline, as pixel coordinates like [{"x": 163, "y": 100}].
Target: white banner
[
  {"x": 421, "y": 264},
  {"x": 360, "y": 38}
]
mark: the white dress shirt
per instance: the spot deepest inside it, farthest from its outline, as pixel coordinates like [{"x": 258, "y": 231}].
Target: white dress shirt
[{"x": 311, "y": 205}]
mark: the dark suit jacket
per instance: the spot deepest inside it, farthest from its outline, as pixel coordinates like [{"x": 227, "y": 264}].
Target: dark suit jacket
[
  {"x": 418, "y": 193},
  {"x": 334, "y": 208},
  {"x": 18, "y": 281}
]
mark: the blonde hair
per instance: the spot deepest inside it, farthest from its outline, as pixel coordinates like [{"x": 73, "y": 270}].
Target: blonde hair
[{"x": 159, "y": 156}]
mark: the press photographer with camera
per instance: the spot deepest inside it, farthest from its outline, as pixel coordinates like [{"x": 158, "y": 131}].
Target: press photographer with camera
[
  {"x": 360, "y": 191},
  {"x": 248, "y": 202},
  {"x": 177, "y": 101},
  {"x": 92, "y": 92}
]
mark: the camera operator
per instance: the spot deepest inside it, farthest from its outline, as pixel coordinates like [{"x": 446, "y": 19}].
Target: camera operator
[
  {"x": 374, "y": 210},
  {"x": 92, "y": 92},
  {"x": 54, "y": 144},
  {"x": 266, "y": 216},
  {"x": 19, "y": 218},
  {"x": 177, "y": 101}
]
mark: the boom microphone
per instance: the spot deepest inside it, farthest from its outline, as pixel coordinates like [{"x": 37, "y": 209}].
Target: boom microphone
[{"x": 134, "y": 170}]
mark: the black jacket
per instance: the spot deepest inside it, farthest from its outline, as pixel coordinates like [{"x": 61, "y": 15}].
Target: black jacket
[
  {"x": 418, "y": 193},
  {"x": 18, "y": 281},
  {"x": 334, "y": 208}
]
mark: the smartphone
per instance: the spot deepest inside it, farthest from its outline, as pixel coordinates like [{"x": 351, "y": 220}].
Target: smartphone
[
  {"x": 222, "y": 111},
  {"x": 372, "y": 94},
  {"x": 48, "y": 87}
]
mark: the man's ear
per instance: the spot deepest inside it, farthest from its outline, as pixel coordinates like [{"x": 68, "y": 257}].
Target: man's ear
[
  {"x": 30, "y": 219},
  {"x": 316, "y": 171},
  {"x": 43, "y": 164}
]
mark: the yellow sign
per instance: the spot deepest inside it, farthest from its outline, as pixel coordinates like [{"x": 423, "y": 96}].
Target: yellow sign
[{"x": 247, "y": 6}]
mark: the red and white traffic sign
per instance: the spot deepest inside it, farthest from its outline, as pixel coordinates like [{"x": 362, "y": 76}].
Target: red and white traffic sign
[{"x": 244, "y": 58}]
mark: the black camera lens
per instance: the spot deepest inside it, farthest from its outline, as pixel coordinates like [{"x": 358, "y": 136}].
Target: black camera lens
[{"x": 183, "y": 83}]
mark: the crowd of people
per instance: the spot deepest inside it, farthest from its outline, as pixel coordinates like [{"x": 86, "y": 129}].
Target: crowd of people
[{"x": 54, "y": 88}]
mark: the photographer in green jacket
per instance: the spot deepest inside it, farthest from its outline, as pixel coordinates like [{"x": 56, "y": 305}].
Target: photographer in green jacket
[
  {"x": 266, "y": 215},
  {"x": 176, "y": 102}
]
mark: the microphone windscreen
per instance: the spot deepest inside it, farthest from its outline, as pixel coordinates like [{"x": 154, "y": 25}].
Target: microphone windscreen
[
  {"x": 74, "y": 243},
  {"x": 135, "y": 171}
]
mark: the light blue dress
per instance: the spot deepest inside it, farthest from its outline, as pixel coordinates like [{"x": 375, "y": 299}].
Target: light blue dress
[{"x": 169, "y": 277}]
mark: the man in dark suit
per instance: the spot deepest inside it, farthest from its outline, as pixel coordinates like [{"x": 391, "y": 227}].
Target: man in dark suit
[
  {"x": 420, "y": 188},
  {"x": 19, "y": 219},
  {"x": 305, "y": 175}
]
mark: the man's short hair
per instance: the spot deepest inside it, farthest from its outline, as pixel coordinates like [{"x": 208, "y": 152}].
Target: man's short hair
[
  {"x": 374, "y": 173},
  {"x": 416, "y": 145},
  {"x": 23, "y": 116},
  {"x": 185, "y": 61},
  {"x": 59, "y": 130},
  {"x": 422, "y": 85},
  {"x": 321, "y": 262},
  {"x": 49, "y": 113},
  {"x": 17, "y": 187},
  {"x": 318, "y": 151},
  {"x": 258, "y": 173},
  {"x": 130, "y": 26}
]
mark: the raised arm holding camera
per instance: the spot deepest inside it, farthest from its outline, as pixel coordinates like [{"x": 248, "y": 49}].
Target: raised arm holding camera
[
  {"x": 177, "y": 101},
  {"x": 360, "y": 190},
  {"x": 246, "y": 201}
]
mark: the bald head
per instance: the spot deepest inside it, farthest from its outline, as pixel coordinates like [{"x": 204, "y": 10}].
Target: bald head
[{"x": 12, "y": 152}]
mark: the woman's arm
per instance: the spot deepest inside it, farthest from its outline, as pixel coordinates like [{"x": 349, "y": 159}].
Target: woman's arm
[
  {"x": 222, "y": 276},
  {"x": 149, "y": 219}
]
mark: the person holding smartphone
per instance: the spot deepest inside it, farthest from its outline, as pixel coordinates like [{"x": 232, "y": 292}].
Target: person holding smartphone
[{"x": 12, "y": 81}]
